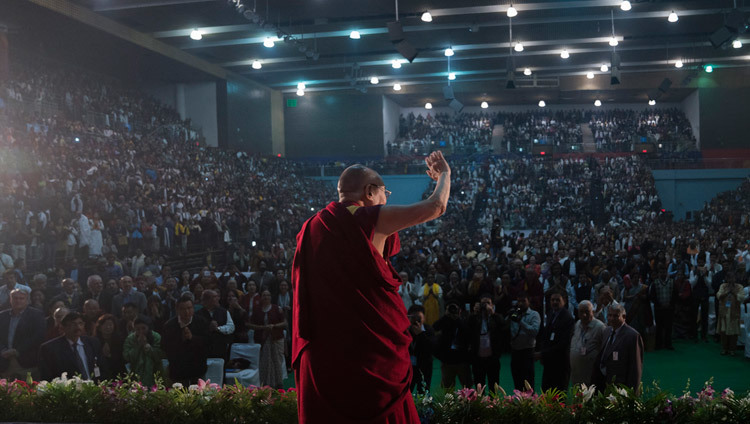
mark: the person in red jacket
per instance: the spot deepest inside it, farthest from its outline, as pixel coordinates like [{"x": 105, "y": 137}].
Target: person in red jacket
[{"x": 350, "y": 328}]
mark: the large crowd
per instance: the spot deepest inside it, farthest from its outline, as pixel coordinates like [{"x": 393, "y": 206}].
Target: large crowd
[
  {"x": 561, "y": 130},
  {"x": 94, "y": 215},
  {"x": 617, "y": 130},
  {"x": 441, "y": 131}
]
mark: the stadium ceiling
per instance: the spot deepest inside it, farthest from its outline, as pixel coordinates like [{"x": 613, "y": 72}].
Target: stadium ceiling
[{"x": 313, "y": 44}]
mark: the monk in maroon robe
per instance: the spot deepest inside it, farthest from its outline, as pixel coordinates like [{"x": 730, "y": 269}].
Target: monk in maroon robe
[{"x": 350, "y": 339}]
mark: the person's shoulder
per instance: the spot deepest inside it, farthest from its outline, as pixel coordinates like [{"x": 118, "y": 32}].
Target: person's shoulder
[{"x": 53, "y": 343}]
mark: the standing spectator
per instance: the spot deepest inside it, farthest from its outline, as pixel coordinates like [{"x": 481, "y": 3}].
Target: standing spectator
[
  {"x": 408, "y": 291},
  {"x": 185, "y": 340},
  {"x": 431, "y": 296},
  {"x": 220, "y": 325},
  {"x": 524, "y": 327},
  {"x": 663, "y": 295},
  {"x": 111, "y": 340},
  {"x": 420, "y": 350},
  {"x": 701, "y": 293},
  {"x": 269, "y": 323},
  {"x": 128, "y": 295},
  {"x": 142, "y": 350},
  {"x": 554, "y": 351},
  {"x": 453, "y": 348},
  {"x": 10, "y": 284},
  {"x": 22, "y": 330},
  {"x": 97, "y": 292},
  {"x": 585, "y": 344},
  {"x": 72, "y": 353},
  {"x": 487, "y": 330},
  {"x": 239, "y": 317},
  {"x": 620, "y": 359},
  {"x": 730, "y": 296},
  {"x": 70, "y": 295}
]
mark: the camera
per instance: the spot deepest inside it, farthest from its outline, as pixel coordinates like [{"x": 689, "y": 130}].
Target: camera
[
  {"x": 515, "y": 314},
  {"x": 453, "y": 309}
]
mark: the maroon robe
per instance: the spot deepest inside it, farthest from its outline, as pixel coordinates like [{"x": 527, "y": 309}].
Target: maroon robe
[{"x": 350, "y": 340}]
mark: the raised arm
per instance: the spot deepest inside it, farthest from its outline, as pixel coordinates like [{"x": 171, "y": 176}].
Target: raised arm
[{"x": 396, "y": 218}]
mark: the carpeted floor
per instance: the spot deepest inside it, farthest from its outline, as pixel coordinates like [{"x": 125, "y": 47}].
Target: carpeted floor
[{"x": 670, "y": 369}]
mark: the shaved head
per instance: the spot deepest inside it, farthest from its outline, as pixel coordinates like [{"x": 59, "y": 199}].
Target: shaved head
[{"x": 353, "y": 180}]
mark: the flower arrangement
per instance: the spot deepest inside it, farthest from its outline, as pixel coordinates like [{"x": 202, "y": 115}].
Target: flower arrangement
[{"x": 121, "y": 401}]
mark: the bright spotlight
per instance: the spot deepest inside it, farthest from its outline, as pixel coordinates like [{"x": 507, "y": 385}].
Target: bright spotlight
[
  {"x": 426, "y": 17},
  {"x": 512, "y": 12},
  {"x": 300, "y": 92},
  {"x": 428, "y": 105},
  {"x": 613, "y": 41},
  {"x": 268, "y": 42},
  {"x": 196, "y": 35},
  {"x": 396, "y": 64},
  {"x": 673, "y": 17},
  {"x": 527, "y": 72},
  {"x": 737, "y": 44},
  {"x": 625, "y": 5},
  {"x": 257, "y": 64},
  {"x": 564, "y": 54},
  {"x": 518, "y": 47},
  {"x": 604, "y": 68},
  {"x": 354, "y": 35},
  {"x": 397, "y": 87},
  {"x": 484, "y": 105},
  {"x": 597, "y": 102},
  {"x": 590, "y": 75},
  {"x": 374, "y": 80},
  {"x": 542, "y": 103},
  {"x": 678, "y": 64},
  {"x": 452, "y": 76}
]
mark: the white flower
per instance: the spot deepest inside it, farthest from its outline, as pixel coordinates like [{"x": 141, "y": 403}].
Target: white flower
[
  {"x": 587, "y": 392},
  {"x": 622, "y": 392},
  {"x": 193, "y": 388},
  {"x": 612, "y": 399},
  {"x": 177, "y": 386}
]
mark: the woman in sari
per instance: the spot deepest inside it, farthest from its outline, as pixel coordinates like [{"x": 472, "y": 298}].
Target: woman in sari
[{"x": 269, "y": 323}]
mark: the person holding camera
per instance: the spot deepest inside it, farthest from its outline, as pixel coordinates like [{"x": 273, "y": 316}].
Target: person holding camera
[
  {"x": 486, "y": 329},
  {"x": 524, "y": 326},
  {"x": 420, "y": 349},
  {"x": 453, "y": 348}
]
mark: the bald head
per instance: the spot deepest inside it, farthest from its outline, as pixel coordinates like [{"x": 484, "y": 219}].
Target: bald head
[{"x": 354, "y": 180}]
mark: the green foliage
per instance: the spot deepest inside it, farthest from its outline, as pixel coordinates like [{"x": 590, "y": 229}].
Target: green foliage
[{"x": 125, "y": 401}]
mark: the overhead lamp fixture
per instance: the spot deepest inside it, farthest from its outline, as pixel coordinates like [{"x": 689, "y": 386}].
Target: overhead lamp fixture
[
  {"x": 374, "y": 80},
  {"x": 604, "y": 68},
  {"x": 301, "y": 86},
  {"x": 678, "y": 64},
  {"x": 518, "y": 47},
  {"x": 449, "y": 52},
  {"x": 613, "y": 41},
  {"x": 708, "y": 68},
  {"x": 527, "y": 71},
  {"x": 426, "y": 17},
  {"x": 484, "y": 105},
  {"x": 300, "y": 92},
  {"x": 590, "y": 75},
  {"x": 564, "y": 54},
  {"x": 597, "y": 102},
  {"x": 428, "y": 105},
  {"x": 354, "y": 35},
  {"x": 396, "y": 64},
  {"x": 625, "y": 5},
  {"x": 397, "y": 87},
  {"x": 451, "y": 76},
  {"x": 652, "y": 102},
  {"x": 737, "y": 44},
  {"x": 673, "y": 17},
  {"x": 257, "y": 64},
  {"x": 542, "y": 104},
  {"x": 196, "y": 35},
  {"x": 512, "y": 12},
  {"x": 268, "y": 42}
]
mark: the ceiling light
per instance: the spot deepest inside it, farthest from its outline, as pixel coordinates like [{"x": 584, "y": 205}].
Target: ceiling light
[
  {"x": 452, "y": 76},
  {"x": 678, "y": 64},
  {"x": 397, "y": 86},
  {"x": 613, "y": 41},
  {"x": 484, "y": 105},
  {"x": 652, "y": 102},
  {"x": 518, "y": 47},
  {"x": 257, "y": 64},
  {"x": 374, "y": 80},
  {"x": 449, "y": 52},
  {"x": 527, "y": 72},
  {"x": 396, "y": 64},
  {"x": 625, "y": 5},
  {"x": 590, "y": 75},
  {"x": 268, "y": 42},
  {"x": 737, "y": 44},
  {"x": 428, "y": 105},
  {"x": 597, "y": 102},
  {"x": 673, "y": 17},
  {"x": 512, "y": 12},
  {"x": 300, "y": 92},
  {"x": 564, "y": 54},
  {"x": 301, "y": 86},
  {"x": 708, "y": 68},
  {"x": 542, "y": 104},
  {"x": 426, "y": 17},
  {"x": 354, "y": 35},
  {"x": 196, "y": 35},
  {"x": 604, "y": 68}
]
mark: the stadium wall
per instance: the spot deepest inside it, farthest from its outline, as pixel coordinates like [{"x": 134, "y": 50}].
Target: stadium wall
[
  {"x": 724, "y": 122},
  {"x": 685, "y": 190},
  {"x": 333, "y": 125},
  {"x": 406, "y": 189},
  {"x": 692, "y": 108},
  {"x": 391, "y": 113},
  {"x": 249, "y": 117},
  {"x": 196, "y": 101}
]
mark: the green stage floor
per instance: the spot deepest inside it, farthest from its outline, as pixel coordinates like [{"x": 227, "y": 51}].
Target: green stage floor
[{"x": 670, "y": 369}]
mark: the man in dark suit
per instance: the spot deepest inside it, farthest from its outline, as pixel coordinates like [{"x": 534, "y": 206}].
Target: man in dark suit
[
  {"x": 72, "y": 353},
  {"x": 620, "y": 359},
  {"x": 185, "y": 339},
  {"x": 70, "y": 296},
  {"x": 487, "y": 331},
  {"x": 220, "y": 325},
  {"x": 22, "y": 330},
  {"x": 420, "y": 349},
  {"x": 128, "y": 295},
  {"x": 554, "y": 349},
  {"x": 452, "y": 347},
  {"x": 96, "y": 291}
]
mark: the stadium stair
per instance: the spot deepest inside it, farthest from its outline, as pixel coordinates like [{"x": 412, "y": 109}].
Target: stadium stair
[
  {"x": 589, "y": 145},
  {"x": 498, "y": 133}
]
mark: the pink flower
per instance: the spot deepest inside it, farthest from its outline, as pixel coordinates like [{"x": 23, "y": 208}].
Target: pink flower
[
  {"x": 468, "y": 394},
  {"x": 203, "y": 385}
]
